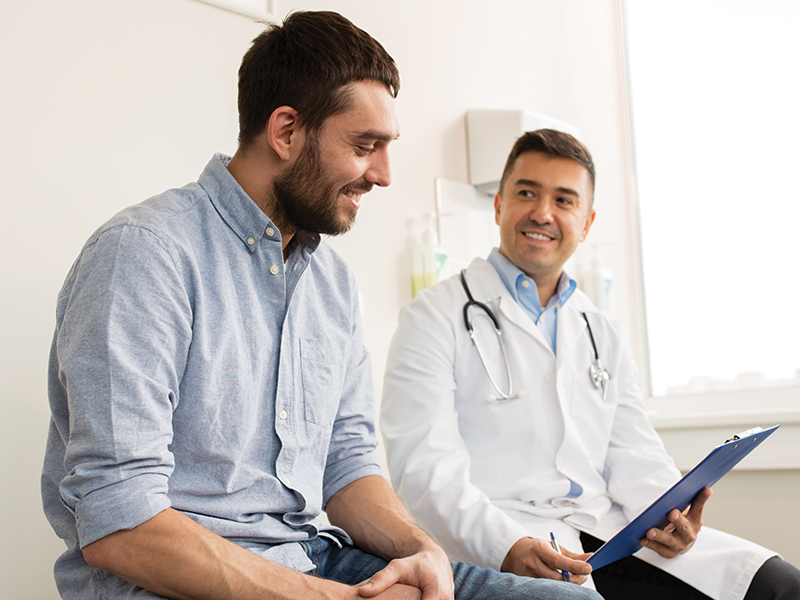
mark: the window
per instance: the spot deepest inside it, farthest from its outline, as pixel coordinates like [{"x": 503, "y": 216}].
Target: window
[{"x": 715, "y": 96}]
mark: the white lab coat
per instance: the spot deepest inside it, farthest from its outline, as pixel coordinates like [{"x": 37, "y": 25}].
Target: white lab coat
[{"x": 479, "y": 475}]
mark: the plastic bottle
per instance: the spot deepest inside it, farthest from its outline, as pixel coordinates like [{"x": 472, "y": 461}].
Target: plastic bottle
[
  {"x": 599, "y": 285},
  {"x": 430, "y": 262}
]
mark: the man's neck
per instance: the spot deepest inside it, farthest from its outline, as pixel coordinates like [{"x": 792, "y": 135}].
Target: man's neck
[
  {"x": 546, "y": 288},
  {"x": 254, "y": 176}
]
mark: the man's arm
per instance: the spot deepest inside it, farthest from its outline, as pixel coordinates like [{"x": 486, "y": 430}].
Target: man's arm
[
  {"x": 370, "y": 512},
  {"x": 175, "y": 557}
]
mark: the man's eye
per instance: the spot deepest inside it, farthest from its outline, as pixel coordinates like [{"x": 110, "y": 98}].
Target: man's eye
[
  {"x": 365, "y": 149},
  {"x": 526, "y": 193},
  {"x": 563, "y": 200}
]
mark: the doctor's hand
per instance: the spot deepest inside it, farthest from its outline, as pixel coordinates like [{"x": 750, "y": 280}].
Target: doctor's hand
[
  {"x": 681, "y": 532},
  {"x": 536, "y": 558}
]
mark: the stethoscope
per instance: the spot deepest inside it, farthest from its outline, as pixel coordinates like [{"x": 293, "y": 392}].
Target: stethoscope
[{"x": 597, "y": 372}]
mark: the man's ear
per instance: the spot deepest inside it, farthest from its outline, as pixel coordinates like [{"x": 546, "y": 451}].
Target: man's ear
[
  {"x": 497, "y": 201},
  {"x": 587, "y": 225},
  {"x": 284, "y": 134}
]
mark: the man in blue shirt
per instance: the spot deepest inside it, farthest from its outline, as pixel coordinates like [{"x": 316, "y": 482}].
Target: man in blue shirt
[{"x": 208, "y": 382}]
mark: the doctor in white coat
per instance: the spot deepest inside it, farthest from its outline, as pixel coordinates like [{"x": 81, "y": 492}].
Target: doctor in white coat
[{"x": 492, "y": 458}]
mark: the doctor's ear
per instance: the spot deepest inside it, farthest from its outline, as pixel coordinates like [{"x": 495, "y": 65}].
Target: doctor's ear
[
  {"x": 588, "y": 225},
  {"x": 497, "y": 201},
  {"x": 284, "y": 133}
]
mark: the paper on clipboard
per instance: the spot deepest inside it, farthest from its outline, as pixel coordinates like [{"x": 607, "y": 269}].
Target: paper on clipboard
[{"x": 710, "y": 470}]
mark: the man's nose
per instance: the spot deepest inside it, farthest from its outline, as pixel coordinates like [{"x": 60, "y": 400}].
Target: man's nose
[
  {"x": 380, "y": 170},
  {"x": 541, "y": 211}
]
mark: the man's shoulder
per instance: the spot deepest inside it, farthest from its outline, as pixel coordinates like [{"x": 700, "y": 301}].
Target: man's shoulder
[{"x": 162, "y": 212}]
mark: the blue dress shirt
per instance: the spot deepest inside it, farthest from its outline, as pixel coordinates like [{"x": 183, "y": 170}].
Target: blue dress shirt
[{"x": 523, "y": 289}]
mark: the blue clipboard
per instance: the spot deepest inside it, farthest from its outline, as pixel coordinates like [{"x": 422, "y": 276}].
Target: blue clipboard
[{"x": 710, "y": 470}]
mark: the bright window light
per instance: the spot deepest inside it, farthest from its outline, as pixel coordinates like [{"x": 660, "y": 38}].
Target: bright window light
[{"x": 715, "y": 97}]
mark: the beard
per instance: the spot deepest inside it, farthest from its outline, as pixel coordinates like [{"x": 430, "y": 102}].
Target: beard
[{"x": 308, "y": 199}]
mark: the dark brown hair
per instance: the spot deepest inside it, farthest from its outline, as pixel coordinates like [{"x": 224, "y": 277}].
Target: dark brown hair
[
  {"x": 306, "y": 63},
  {"x": 552, "y": 142}
]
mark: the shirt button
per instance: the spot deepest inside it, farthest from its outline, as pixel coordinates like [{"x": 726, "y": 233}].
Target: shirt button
[
  {"x": 251, "y": 241},
  {"x": 274, "y": 269},
  {"x": 550, "y": 378},
  {"x": 270, "y": 231},
  {"x": 526, "y": 283},
  {"x": 283, "y": 414}
]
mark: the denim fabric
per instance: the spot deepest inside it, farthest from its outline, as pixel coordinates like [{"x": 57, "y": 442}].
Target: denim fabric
[{"x": 351, "y": 566}]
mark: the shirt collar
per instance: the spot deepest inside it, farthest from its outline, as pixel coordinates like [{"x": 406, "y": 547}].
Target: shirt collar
[
  {"x": 515, "y": 279},
  {"x": 239, "y": 211}
]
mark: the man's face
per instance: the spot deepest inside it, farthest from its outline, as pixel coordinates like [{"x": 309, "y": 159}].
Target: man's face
[
  {"x": 544, "y": 211},
  {"x": 321, "y": 192}
]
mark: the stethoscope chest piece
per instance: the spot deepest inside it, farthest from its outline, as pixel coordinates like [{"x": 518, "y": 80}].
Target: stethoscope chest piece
[{"x": 597, "y": 372}]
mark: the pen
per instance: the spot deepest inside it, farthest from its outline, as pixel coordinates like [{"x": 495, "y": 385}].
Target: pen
[{"x": 564, "y": 574}]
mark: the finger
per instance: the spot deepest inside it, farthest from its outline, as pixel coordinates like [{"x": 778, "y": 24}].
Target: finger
[
  {"x": 379, "y": 582},
  {"x": 695, "y": 513}
]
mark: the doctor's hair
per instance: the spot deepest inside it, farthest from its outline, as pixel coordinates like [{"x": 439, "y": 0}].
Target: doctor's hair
[
  {"x": 307, "y": 63},
  {"x": 552, "y": 142}
]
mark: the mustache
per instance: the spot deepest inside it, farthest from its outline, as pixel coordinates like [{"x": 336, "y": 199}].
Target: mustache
[{"x": 362, "y": 186}]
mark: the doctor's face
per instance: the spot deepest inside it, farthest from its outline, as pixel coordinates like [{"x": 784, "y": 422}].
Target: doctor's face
[{"x": 544, "y": 212}]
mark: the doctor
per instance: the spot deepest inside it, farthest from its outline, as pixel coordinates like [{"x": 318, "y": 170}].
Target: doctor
[{"x": 495, "y": 442}]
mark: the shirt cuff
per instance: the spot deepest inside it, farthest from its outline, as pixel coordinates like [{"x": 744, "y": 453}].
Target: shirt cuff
[{"x": 120, "y": 506}]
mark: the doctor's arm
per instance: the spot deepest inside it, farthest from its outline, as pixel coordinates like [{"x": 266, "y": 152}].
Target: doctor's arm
[{"x": 638, "y": 468}]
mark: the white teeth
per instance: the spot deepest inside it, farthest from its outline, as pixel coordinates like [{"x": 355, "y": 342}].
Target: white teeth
[{"x": 538, "y": 236}]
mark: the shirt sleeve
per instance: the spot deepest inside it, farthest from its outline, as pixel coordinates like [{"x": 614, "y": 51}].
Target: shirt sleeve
[
  {"x": 123, "y": 332},
  {"x": 428, "y": 459},
  {"x": 351, "y": 454}
]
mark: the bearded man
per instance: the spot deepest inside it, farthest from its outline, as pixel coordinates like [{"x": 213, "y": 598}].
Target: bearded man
[{"x": 209, "y": 386}]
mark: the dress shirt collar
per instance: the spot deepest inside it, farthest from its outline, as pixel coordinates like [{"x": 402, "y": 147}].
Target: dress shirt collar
[{"x": 239, "y": 211}]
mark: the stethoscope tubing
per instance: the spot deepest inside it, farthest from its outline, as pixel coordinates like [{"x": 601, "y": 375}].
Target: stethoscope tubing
[{"x": 599, "y": 375}]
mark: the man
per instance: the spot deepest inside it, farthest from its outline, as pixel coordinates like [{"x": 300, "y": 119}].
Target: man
[
  {"x": 209, "y": 386},
  {"x": 491, "y": 457}
]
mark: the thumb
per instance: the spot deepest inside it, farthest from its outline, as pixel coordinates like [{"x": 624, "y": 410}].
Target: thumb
[{"x": 378, "y": 583}]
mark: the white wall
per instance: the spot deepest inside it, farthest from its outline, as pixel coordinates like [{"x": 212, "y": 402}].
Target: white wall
[{"x": 106, "y": 102}]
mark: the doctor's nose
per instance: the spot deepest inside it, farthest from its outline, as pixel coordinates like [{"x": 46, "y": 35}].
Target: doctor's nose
[{"x": 541, "y": 212}]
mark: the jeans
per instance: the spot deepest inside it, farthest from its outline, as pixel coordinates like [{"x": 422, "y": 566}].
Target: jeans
[{"x": 351, "y": 566}]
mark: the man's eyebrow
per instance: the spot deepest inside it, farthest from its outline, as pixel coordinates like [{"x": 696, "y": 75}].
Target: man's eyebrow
[
  {"x": 536, "y": 184},
  {"x": 374, "y": 134}
]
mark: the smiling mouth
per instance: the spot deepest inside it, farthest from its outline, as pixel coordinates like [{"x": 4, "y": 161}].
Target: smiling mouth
[{"x": 538, "y": 236}]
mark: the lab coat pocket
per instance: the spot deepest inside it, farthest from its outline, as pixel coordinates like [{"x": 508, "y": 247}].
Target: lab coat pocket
[
  {"x": 593, "y": 417},
  {"x": 323, "y": 370}
]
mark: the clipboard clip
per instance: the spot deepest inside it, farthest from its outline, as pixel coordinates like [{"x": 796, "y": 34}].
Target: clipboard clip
[{"x": 739, "y": 436}]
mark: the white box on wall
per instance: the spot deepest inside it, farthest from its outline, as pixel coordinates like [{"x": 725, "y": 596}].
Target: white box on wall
[{"x": 490, "y": 136}]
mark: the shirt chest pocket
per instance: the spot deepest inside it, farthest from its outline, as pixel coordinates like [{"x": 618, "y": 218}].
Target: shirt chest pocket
[{"x": 323, "y": 369}]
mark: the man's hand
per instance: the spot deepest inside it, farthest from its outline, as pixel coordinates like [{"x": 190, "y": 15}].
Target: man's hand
[
  {"x": 537, "y": 558},
  {"x": 681, "y": 532},
  {"x": 378, "y": 523},
  {"x": 429, "y": 572}
]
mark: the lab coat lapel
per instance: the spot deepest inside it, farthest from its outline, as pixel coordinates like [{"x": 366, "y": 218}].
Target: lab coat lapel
[
  {"x": 571, "y": 327},
  {"x": 487, "y": 287}
]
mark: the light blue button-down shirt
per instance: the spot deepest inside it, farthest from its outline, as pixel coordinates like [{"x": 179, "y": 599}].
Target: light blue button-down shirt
[
  {"x": 191, "y": 368},
  {"x": 523, "y": 289}
]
